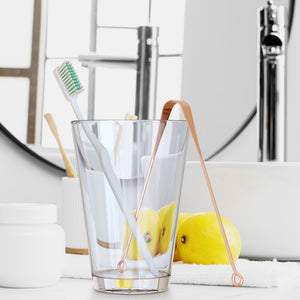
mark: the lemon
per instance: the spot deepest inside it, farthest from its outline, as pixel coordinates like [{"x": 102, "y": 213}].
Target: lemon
[
  {"x": 124, "y": 283},
  {"x": 149, "y": 225},
  {"x": 166, "y": 217},
  {"x": 199, "y": 240},
  {"x": 182, "y": 217}
]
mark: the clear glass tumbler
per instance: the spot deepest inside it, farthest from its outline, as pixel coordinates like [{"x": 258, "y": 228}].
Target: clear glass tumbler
[{"x": 126, "y": 146}]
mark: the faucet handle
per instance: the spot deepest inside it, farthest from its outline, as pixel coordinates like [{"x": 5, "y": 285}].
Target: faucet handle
[{"x": 272, "y": 15}]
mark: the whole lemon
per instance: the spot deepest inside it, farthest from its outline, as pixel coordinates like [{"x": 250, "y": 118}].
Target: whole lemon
[
  {"x": 166, "y": 217},
  {"x": 199, "y": 240},
  {"x": 182, "y": 217},
  {"x": 149, "y": 225}
]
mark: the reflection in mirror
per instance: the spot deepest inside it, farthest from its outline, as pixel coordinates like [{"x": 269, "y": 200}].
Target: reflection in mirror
[{"x": 218, "y": 76}]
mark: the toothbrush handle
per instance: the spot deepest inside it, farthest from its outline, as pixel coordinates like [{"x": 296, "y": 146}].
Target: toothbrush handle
[
  {"x": 116, "y": 189},
  {"x": 115, "y": 186},
  {"x": 73, "y": 101}
]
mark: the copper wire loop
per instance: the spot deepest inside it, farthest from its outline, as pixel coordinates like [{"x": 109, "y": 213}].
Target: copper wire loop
[
  {"x": 234, "y": 280},
  {"x": 122, "y": 266}
]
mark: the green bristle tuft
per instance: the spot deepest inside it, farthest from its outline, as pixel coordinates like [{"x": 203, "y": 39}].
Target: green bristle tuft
[{"x": 70, "y": 78}]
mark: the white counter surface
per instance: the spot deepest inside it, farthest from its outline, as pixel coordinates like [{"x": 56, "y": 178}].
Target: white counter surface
[{"x": 81, "y": 289}]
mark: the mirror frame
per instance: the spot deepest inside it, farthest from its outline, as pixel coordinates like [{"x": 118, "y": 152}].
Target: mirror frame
[{"x": 18, "y": 143}]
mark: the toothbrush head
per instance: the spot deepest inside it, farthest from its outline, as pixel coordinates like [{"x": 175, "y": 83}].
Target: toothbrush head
[{"x": 68, "y": 80}]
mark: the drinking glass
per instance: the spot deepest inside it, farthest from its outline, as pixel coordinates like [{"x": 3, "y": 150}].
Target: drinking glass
[{"x": 129, "y": 145}]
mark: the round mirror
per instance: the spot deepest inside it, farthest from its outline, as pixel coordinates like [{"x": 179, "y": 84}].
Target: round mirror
[{"x": 207, "y": 56}]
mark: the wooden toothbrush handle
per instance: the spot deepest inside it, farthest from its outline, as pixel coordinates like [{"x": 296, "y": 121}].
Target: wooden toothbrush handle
[{"x": 69, "y": 168}]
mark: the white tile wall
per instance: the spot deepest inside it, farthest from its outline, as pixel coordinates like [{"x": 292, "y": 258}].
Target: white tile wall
[{"x": 15, "y": 32}]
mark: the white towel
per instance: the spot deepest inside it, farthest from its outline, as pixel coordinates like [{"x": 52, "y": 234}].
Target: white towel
[{"x": 255, "y": 273}]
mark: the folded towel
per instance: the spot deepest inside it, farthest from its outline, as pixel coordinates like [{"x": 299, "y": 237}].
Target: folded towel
[{"x": 255, "y": 273}]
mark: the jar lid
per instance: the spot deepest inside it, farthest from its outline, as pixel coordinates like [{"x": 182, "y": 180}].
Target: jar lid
[{"x": 27, "y": 213}]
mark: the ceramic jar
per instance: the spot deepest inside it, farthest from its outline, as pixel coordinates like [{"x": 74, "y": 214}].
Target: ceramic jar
[{"x": 32, "y": 248}]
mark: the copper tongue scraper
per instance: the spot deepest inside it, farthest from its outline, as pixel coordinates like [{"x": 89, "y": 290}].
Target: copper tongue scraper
[{"x": 236, "y": 278}]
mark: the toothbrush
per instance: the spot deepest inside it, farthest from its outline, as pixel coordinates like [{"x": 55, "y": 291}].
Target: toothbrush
[
  {"x": 71, "y": 88},
  {"x": 69, "y": 168}
]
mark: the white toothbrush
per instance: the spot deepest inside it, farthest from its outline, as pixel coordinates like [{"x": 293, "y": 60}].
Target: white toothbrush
[{"x": 71, "y": 87}]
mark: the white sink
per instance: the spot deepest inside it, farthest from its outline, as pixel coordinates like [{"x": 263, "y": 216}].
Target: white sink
[{"x": 261, "y": 199}]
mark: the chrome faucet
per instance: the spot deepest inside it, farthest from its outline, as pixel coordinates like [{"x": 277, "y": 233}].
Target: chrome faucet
[
  {"x": 272, "y": 45},
  {"x": 145, "y": 64},
  {"x": 146, "y": 77}
]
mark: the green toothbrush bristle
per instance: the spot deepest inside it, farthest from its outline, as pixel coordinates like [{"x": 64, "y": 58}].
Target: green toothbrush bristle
[{"x": 70, "y": 78}]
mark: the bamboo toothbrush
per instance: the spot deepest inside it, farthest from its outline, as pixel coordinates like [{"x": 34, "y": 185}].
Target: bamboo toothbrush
[
  {"x": 71, "y": 87},
  {"x": 69, "y": 168}
]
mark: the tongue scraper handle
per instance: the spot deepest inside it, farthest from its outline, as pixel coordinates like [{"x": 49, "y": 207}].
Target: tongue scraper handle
[{"x": 237, "y": 278}]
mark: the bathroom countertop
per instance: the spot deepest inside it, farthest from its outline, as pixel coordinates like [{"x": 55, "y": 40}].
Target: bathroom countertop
[{"x": 81, "y": 289}]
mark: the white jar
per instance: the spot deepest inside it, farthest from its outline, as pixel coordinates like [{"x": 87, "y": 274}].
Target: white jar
[{"x": 32, "y": 245}]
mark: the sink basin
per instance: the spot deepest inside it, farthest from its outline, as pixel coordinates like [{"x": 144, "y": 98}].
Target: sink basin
[{"x": 261, "y": 199}]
